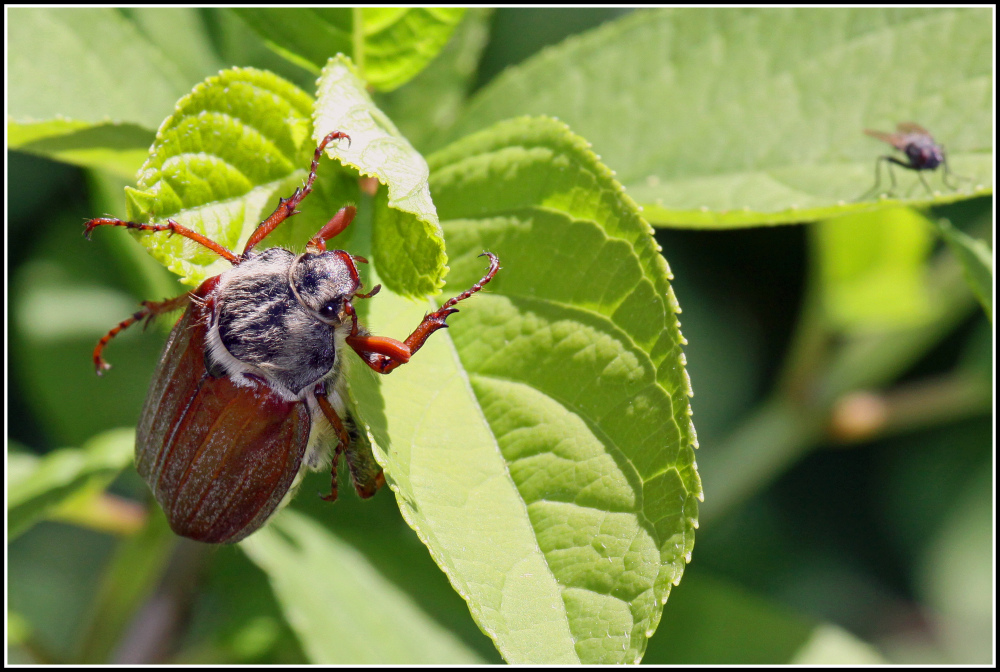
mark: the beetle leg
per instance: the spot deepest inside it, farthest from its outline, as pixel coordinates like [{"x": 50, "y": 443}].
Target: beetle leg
[
  {"x": 343, "y": 441},
  {"x": 366, "y": 474},
  {"x": 286, "y": 206},
  {"x": 332, "y": 497},
  {"x": 171, "y": 226},
  {"x": 384, "y": 354},
  {"x": 375, "y": 290},
  {"x": 150, "y": 309},
  {"x": 337, "y": 223}
]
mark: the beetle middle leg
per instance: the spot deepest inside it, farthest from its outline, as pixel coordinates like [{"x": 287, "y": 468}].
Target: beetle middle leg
[
  {"x": 343, "y": 438},
  {"x": 366, "y": 474},
  {"x": 383, "y": 354},
  {"x": 150, "y": 309}
]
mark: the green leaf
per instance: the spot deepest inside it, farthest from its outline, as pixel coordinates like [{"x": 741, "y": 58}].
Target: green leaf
[
  {"x": 429, "y": 104},
  {"x": 233, "y": 146},
  {"x": 389, "y": 44},
  {"x": 542, "y": 447},
  {"x": 37, "y": 487},
  {"x": 407, "y": 243},
  {"x": 342, "y": 609},
  {"x": 90, "y": 86},
  {"x": 118, "y": 148},
  {"x": 977, "y": 263},
  {"x": 79, "y": 64},
  {"x": 725, "y": 118},
  {"x": 181, "y": 34},
  {"x": 871, "y": 269}
]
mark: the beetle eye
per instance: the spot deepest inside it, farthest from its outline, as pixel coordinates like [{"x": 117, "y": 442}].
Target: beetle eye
[{"x": 330, "y": 309}]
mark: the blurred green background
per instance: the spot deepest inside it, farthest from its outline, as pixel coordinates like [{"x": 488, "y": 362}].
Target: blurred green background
[{"x": 878, "y": 550}]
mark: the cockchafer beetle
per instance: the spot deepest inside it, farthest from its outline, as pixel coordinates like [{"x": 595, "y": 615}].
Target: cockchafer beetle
[{"x": 249, "y": 392}]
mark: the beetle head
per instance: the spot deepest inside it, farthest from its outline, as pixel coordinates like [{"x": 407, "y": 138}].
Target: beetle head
[{"x": 323, "y": 281}]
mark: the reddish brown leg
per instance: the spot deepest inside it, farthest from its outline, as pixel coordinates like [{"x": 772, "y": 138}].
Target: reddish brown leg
[
  {"x": 375, "y": 290},
  {"x": 365, "y": 472},
  {"x": 150, "y": 309},
  {"x": 343, "y": 441},
  {"x": 332, "y": 497},
  {"x": 171, "y": 226},
  {"x": 336, "y": 224},
  {"x": 384, "y": 354},
  {"x": 286, "y": 207}
]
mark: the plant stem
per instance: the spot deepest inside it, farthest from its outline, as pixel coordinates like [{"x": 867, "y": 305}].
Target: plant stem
[
  {"x": 865, "y": 416},
  {"x": 794, "y": 419}
]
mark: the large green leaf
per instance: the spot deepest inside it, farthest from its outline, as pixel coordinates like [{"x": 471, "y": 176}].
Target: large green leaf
[
  {"x": 39, "y": 485},
  {"x": 740, "y": 117},
  {"x": 234, "y": 145},
  {"x": 542, "y": 447},
  {"x": 389, "y": 44},
  {"x": 343, "y": 611},
  {"x": 407, "y": 245},
  {"x": 90, "y": 86}
]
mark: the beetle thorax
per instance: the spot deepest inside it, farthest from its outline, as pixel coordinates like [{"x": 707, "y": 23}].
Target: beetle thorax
[{"x": 279, "y": 317}]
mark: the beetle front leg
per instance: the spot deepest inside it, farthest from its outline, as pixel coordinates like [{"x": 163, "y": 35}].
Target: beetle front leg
[
  {"x": 286, "y": 206},
  {"x": 383, "y": 354},
  {"x": 150, "y": 309}
]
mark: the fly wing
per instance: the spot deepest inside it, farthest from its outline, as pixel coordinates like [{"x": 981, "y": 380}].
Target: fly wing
[
  {"x": 219, "y": 458},
  {"x": 911, "y": 127},
  {"x": 897, "y": 140}
]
